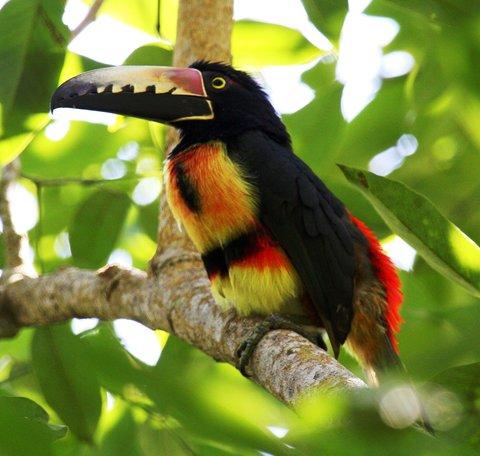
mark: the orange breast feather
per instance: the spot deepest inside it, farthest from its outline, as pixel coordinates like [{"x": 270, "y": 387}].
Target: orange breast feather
[
  {"x": 227, "y": 203},
  {"x": 210, "y": 197}
]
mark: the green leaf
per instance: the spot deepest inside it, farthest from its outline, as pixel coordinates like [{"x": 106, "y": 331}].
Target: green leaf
[
  {"x": 25, "y": 430},
  {"x": 148, "y": 218},
  {"x": 11, "y": 147},
  {"x": 17, "y": 20},
  {"x": 29, "y": 410},
  {"x": 186, "y": 397},
  {"x": 96, "y": 227},
  {"x": 141, "y": 14},
  {"x": 463, "y": 382},
  {"x": 327, "y": 16},
  {"x": 18, "y": 347},
  {"x": 151, "y": 54},
  {"x": 82, "y": 151},
  {"x": 430, "y": 11},
  {"x": 317, "y": 127},
  {"x": 379, "y": 125},
  {"x": 122, "y": 437},
  {"x": 172, "y": 441},
  {"x": 261, "y": 44},
  {"x": 413, "y": 217},
  {"x": 66, "y": 379},
  {"x": 461, "y": 379},
  {"x": 32, "y": 50},
  {"x": 114, "y": 366}
]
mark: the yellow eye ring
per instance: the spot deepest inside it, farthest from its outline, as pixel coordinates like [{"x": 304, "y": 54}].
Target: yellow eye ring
[{"x": 218, "y": 83}]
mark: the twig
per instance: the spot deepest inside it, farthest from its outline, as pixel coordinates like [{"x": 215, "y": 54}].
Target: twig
[
  {"x": 61, "y": 181},
  {"x": 15, "y": 243},
  {"x": 158, "y": 25},
  {"x": 88, "y": 19}
]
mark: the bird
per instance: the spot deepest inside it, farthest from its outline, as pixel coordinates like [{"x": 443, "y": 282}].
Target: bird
[{"x": 274, "y": 240}]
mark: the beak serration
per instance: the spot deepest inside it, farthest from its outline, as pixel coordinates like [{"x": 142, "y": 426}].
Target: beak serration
[{"x": 156, "y": 93}]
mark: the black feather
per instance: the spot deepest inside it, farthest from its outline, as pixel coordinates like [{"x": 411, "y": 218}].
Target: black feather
[
  {"x": 187, "y": 189},
  {"x": 214, "y": 262},
  {"x": 242, "y": 106},
  {"x": 308, "y": 222}
]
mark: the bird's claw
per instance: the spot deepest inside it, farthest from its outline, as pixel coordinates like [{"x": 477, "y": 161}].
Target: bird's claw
[
  {"x": 245, "y": 350},
  {"x": 243, "y": 355}
]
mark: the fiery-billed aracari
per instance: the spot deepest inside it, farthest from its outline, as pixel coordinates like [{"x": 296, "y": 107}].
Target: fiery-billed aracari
[{"x": 274, "y": 240}]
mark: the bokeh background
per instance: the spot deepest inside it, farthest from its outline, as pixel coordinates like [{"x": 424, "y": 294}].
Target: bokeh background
[{"x": 391, "y": 86}]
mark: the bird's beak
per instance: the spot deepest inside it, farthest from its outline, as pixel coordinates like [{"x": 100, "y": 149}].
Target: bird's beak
[{"x": 162, "y": 94}]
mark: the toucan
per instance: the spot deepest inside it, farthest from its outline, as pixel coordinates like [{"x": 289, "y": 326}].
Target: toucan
[{"x": 274, "y": 240}]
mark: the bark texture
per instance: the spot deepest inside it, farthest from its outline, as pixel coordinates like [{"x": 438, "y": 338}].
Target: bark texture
[
  {"x": 174, "y": 295},
  {"x": 284, "y": 363}
]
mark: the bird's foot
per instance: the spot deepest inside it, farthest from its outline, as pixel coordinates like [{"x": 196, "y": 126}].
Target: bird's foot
[{"x": 245, "y": 350}]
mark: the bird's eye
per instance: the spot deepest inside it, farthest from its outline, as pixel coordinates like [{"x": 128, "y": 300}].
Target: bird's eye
[{"x": 218, "y": 83}]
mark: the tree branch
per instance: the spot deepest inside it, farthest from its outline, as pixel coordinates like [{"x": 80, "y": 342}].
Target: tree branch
[
  {"x": 175, "y": 294},
  {"x": 178, "y": 301}
]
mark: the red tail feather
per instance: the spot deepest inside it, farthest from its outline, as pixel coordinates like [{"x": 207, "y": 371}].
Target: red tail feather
[{"x": 388, "y": 276}]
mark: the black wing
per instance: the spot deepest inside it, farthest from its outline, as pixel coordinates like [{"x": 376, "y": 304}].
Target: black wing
[{"x": 309, "y": 223}]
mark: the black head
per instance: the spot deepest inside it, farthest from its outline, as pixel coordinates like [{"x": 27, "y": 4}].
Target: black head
[
  {"x": 207, "y": 101},
  {"x": 239, "y": 104}
]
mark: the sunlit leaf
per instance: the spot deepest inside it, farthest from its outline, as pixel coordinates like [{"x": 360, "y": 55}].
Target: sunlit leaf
[
  {"x": 151, "y": 54},
  {"x": 121, "y": 438},
  {"x": 413, "y": 217},
  {"x": 18, "y": 347},
  {"x": 13, "y": 146},
  {"x": 66, "y": 379},
  {"x": 142, "y": 14},
  {"x": 96, "y": 227},
  {"x": 261, "y": 44}
]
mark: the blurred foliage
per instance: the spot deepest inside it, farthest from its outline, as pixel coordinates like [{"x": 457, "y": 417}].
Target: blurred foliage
[
  {"x": 97, "y": 186},
  {"x": 440, "y": 242},
  {"x": 95, "y": 228},
  {"x": 66, "y": 379}
]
